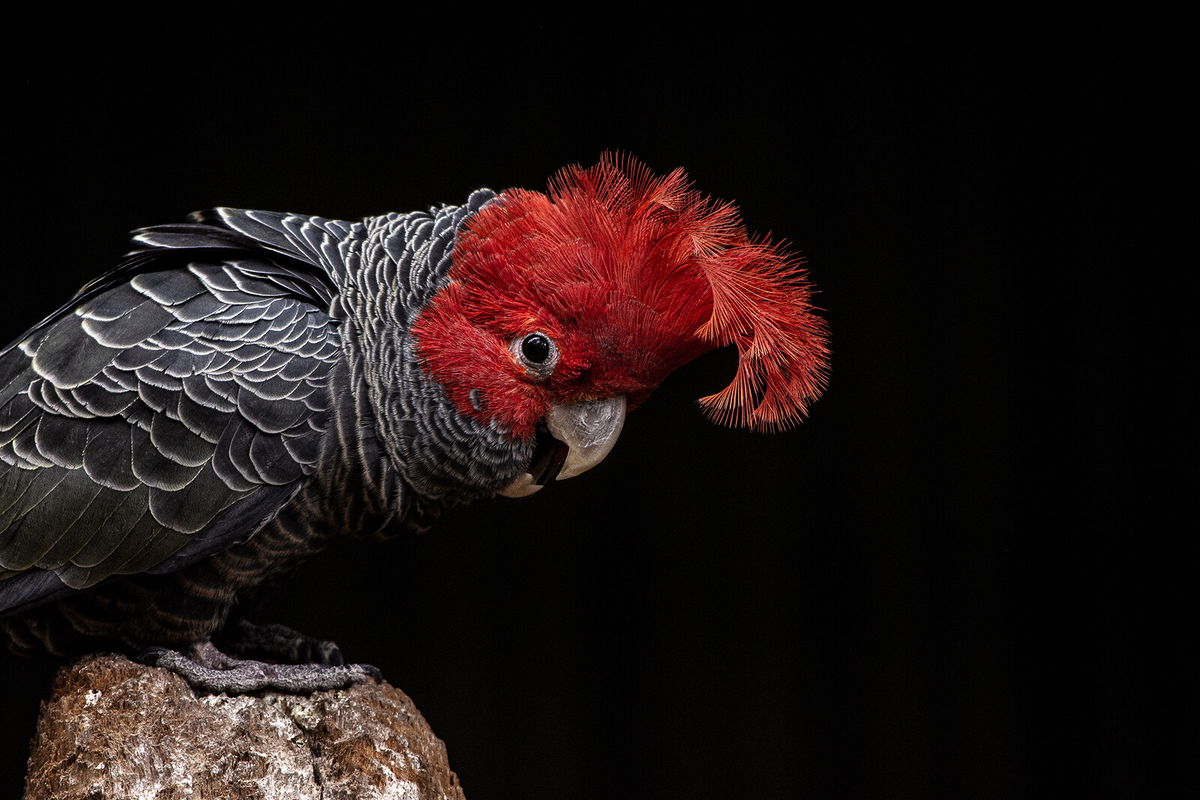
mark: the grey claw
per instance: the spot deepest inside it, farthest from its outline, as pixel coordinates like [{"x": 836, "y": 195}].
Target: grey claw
[{"x": 325, "y": 652}]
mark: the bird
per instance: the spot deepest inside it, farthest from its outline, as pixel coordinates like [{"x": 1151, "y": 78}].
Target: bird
[{"x": 247, "y": 387}]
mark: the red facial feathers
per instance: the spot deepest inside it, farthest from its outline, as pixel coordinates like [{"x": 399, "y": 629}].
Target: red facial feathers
[{"x": 632, "y": 275}]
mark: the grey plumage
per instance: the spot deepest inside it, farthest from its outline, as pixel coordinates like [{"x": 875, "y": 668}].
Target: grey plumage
[
  {"x": 248, "y": 385},
  {"x": 241, "y": 388}
]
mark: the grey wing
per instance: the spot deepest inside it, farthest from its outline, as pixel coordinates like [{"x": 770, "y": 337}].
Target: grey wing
[{"x": 158, "y": 420}]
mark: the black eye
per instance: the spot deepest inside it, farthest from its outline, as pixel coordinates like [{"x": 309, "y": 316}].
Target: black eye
[
  {"x": 537, "y": 353},
  {"x": 536, "y": 348}
]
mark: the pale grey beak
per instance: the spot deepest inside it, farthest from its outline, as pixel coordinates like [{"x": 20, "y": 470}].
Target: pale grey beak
[{"x": 589, "y": 430}]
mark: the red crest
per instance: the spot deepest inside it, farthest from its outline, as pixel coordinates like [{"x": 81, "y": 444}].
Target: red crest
[{"x": 646, "y": 273}]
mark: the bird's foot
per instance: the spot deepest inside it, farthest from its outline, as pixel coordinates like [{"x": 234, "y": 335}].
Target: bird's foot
[
  {"x": 207, "y": 669},
  {"x": 277, "y": 643}
]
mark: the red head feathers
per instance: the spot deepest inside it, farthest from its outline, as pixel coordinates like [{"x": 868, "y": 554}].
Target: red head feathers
[{"x": 630, "y": 276}]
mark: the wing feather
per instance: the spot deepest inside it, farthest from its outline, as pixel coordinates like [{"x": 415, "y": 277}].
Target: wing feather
[{"x": 169, "y": 410}]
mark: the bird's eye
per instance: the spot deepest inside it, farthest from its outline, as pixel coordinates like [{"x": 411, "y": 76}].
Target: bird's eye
[
  {"x": 536, "y": 348},
  {"x": 537, "y": 353}
]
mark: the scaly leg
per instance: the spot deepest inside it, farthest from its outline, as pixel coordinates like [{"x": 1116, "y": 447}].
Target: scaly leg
[{"x": 209, "y": 670}]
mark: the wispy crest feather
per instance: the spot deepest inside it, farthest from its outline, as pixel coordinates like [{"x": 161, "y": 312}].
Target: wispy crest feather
[{"x": 679, "y": 253}]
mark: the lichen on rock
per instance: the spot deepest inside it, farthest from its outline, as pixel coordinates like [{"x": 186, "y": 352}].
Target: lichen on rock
[{"x": 113, "y": 728}]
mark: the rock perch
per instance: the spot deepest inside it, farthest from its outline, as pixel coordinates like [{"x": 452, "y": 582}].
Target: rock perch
[{"x": 113, "y": 728}]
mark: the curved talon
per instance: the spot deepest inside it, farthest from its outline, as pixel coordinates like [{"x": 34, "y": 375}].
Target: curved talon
[
  {"x": 333, "y": 656},
  {"x": 278, "y": 643}
]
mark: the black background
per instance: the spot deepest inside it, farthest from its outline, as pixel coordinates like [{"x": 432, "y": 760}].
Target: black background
[{"x": 926, "y": 590}]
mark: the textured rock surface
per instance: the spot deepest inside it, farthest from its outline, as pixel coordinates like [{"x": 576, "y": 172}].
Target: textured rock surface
[{"x": 116, "y": 729}]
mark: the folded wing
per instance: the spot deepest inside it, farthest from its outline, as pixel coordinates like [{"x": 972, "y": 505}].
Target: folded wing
[{"x": 168, "y": 411}]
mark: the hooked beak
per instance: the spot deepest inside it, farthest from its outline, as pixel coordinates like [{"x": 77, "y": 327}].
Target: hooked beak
[{"x": 583, "y": 434}]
